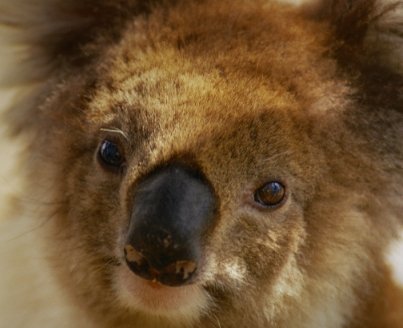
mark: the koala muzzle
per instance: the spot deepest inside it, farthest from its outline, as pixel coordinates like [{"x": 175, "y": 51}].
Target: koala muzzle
[{"x": 172, "y": 209}]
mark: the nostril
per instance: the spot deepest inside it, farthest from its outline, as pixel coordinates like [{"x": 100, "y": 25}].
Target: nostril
[
  {"x": 132, "y": 255},
  {"x": 185, "y": 268},
  {"x": 174, "y": 274},
  {"x": 178, "y": 273},
  {"x": 138, "y": 263}
]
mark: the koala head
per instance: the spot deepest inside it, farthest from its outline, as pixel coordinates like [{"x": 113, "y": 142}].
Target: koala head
[{"x": 213, "y": 163}]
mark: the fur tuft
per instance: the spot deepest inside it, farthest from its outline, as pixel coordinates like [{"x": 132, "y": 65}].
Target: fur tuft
[
  {"x": 55, "y": 33},
  {"x": 365, "y": 32}
]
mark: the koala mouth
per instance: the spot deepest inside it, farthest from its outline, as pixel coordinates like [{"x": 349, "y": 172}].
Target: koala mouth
[
  {"x": 154, "y": 298},
  {"x": 175, "y": 274}
]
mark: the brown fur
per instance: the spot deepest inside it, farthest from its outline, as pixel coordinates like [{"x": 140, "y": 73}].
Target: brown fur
[{"x": 246, "y": 91}]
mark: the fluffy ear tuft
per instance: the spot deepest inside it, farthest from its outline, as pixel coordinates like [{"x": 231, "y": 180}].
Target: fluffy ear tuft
[
  {"x": 364, "y": 30},
  {"x": 349, "y": 19},
  {"x": 55, "y": 32},
  {"x": 366, "y": 39}
]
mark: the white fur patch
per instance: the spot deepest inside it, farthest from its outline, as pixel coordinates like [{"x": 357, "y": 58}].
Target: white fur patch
[
  {"x": 394, "y": 258},
  {"x": 290, "y": 282},
  {"x": 329, "y": 312},
  {"x": 235, "y": 270}
]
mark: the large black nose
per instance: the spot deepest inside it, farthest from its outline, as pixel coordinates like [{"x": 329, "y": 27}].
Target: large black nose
[{"x": 172, "y": 209}]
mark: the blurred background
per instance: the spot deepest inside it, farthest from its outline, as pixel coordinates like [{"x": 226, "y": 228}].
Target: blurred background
[{"x": 9, "y": 149}]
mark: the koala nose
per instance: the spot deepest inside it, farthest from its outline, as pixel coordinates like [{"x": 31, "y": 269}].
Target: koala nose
[{"x": 172, "y": 209}]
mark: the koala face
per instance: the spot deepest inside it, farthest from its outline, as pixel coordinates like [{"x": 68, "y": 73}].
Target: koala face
[
  {"x": 172, "y": 181},
  {"x": 215, "y": 164}
]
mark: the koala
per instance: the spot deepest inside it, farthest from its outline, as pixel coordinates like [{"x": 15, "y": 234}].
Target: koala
[{"x": 204, "y": 163}]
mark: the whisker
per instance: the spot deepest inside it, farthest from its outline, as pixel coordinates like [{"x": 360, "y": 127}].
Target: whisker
[
  {"x": 218, "y": 321},
  {"x": 116, "y": 130}
]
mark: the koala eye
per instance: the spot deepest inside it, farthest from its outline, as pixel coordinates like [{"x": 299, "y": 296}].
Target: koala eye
[
  {"x": 109, "y": 154},
  {"x": 271, "y": 194}
]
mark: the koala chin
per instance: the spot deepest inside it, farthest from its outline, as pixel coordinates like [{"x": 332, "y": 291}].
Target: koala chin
[{"x": 204, "y": 164}]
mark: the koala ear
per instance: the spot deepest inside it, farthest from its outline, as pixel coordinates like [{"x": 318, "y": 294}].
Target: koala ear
[
  {"x": 365, "y": 32},
  {"x": 53, "y": 33}
]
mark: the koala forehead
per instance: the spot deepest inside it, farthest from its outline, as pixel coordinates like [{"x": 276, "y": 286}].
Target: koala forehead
[
  {"x": 191, "y": 106},
  {"x": 188, "y": 60}
]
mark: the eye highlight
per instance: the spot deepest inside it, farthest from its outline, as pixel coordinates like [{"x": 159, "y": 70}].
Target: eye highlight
[
  {"x": 109, "y": 154},
  {"x": 270, "y": 195}
]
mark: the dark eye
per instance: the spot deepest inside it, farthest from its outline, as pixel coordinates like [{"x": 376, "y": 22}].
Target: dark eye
[
  {"x": 109, "y": 154},
  {"x": 271, "y": 194}
]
